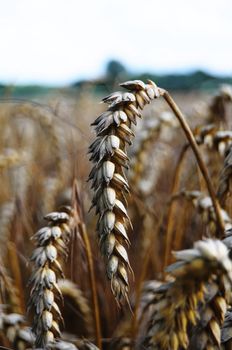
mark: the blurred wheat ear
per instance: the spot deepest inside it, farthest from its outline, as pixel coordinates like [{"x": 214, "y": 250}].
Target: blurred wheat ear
[
  {"x": 213, "y": 138},
  {"x": 224, "y": 188},
  {"x": 175, "y": 305},
  {"x": 204, "y": 206},
  {"x": 76, "y": 308}
]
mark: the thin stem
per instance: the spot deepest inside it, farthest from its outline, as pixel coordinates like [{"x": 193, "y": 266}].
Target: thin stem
[
  {"x": 138, "y": 292},
  {"x": 175, "y": 185},
  {"x": 80, "y": 225},
  {"x": 198, "y": 156},
  {"x": 92, "y": 281},
  {"x": 139, "y": 285},
  {"x": 15, "y": 268}
]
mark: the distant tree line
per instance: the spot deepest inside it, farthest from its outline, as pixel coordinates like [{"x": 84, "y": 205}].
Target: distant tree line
[{"x": 116, "y": 72}]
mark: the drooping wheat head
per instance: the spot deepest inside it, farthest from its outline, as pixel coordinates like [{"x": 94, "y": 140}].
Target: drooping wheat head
[{"x": 109, "y": 155}]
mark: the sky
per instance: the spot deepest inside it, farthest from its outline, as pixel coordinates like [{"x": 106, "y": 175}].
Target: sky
[{"x": 58, "y": 42}]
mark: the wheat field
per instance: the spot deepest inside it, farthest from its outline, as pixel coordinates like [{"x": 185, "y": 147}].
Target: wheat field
[{"x": 115, "y": 220}]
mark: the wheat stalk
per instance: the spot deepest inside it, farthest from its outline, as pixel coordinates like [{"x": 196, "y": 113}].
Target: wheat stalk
[
  {"x": 80, "y": 228},
  {"x": 108, "y": 152},
  {"x": 51, "y": 242},
  {"x": 176, "y": 303},
  {"x": 192, "y": 142},
  {"x": 170, "y": 222}
]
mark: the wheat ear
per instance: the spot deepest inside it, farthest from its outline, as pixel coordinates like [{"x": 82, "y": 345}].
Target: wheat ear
[
  {"x": 224, "y": 187},
  {"x": 51, "y": 242},
  {"x": 146, "y": 140},
  {"x": 108, "y": 153},
  {"x": 217, "y": 108},
  {"x": 207, "y": 334},
  {"x": 122, "y": 344},
  {"x": 9, "y": 293},
  {"x": 213, "y": 138},
  {"x": 176, "y": 303},
  {"x": 204, "y": 206},
  {"x": 226, "y": 336},
  {"x": 7, "y": 212},
  {"x": 226, "y": 332},
  {"x": 10, "y": 158},
  {"x": 13, "y": 327}
]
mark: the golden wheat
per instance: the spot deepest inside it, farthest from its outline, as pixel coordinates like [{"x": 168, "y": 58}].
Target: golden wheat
[
  {"x": 224, "y": 187},
  {"x": 176, "y": 304},
  {"x": 39, "y": 160},
  {"x": 204, "y": 206},
  {"x": 51, "y": 244},
  {"x": 108, "y": 152}
]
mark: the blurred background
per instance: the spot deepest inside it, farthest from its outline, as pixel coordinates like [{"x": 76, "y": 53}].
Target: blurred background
[{"x": 58, "y": 59}]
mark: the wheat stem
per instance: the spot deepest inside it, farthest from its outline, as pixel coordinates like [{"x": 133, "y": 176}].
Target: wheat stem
[
  {"x": 172, "y": 104},
  {"x": 92, "y": 279},
  {"x": 169, "y": 233},
  {"x": 142, "y": 276}
]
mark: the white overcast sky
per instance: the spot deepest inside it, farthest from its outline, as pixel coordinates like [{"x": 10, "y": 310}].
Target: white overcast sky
[{"x": 61, "y": 41}]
